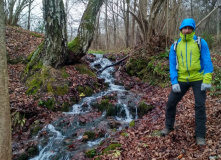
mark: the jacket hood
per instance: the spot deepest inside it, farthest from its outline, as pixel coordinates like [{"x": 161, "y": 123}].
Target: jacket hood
[{"x": 188, "y": 22}]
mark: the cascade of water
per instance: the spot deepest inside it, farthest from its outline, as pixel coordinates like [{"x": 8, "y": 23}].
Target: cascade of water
[
  {"x": 48, "y": 150},
  {"x": 55, "y": 142},
  {"x": 136, "y": 116}
]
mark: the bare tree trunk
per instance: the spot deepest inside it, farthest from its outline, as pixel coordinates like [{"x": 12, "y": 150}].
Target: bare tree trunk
[
  {"x": 127, "y": 24},
  {"x": 5, "y": 119},
  {"x": 167, "y": 12},
  {"x": 15, "y": 11},
  {"x": 156, "y": 6},
  {"x": 218, "y": 22},
  {"x": 29, "y": 14},
  {"x": 143, "y": 19},
  {"x": 115, "y": 26},
  {"x": 191, "y": 8},
  {"x": 106, "y": 28},
  {"x": 133, "y": 24},
  {"x": 97, "y": 32}
]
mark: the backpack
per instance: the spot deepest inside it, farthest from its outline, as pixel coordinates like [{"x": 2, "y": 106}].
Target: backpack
[{"x": 198, "y": 40}]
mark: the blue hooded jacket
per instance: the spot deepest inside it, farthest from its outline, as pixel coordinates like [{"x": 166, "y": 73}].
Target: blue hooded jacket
[{"x": 186, "y": 72}]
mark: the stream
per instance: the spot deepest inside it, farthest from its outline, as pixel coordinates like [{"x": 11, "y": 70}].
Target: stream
[{"x": 63, "y": 139}]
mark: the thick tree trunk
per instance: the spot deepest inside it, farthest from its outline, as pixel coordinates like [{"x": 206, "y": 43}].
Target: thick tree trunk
[
  {"x": 79, "y": 46},
  {"x": 5, "y": 119},
  {"x": 54, "y": 53}
]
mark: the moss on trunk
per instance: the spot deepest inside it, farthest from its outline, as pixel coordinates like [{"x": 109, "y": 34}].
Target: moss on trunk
[{"x": 79, "y": 46}]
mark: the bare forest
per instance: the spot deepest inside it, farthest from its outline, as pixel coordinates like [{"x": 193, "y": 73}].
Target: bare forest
[{"x": 90, "y": 79}]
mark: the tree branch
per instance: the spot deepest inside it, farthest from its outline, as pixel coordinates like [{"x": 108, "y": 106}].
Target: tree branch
[
  {"x": 118, "y": 62},
  {"x": 208, "y": 15}
]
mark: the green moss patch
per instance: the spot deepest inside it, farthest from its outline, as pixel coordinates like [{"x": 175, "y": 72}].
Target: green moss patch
[
  {"x": 132, "y": 124},
  {"x": 154, "y": 70},
  {"x": 86, "y": 90},
  {"x": 96, "y": 51},
  {"x": 83, "y": 69},
  {"x": 156, "y": 133},
  {"x": 111, "y": 147},
  {"x": 90, "y": 134},
  {"x": 144, "y": 108},
  {"x": 74, "y": 45},
  {"x": 36, "y": 35},
  {"x": 90, "y": 153}
]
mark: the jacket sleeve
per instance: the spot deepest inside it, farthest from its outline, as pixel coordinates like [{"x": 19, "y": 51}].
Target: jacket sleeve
[
  {"x": 172, "y": 61},
  {"x": 206, "y": 62}
]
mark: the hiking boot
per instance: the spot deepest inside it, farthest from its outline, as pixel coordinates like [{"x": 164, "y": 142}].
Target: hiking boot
[
  {"x": 165, "y": 131},
  {"x": 200, "y": 141}
]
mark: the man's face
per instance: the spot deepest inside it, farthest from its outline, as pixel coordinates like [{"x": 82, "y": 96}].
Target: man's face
[{"x": 187, "y": 30}]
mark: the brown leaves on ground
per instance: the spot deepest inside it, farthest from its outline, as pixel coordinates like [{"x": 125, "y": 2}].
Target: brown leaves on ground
[{"x": 141, "y": 143}]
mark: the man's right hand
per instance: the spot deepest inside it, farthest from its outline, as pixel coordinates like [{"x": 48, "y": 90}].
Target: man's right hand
[{"x": 176, "y": 88}]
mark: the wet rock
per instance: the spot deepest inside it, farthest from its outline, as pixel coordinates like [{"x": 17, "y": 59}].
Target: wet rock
[
  {"x": 114, "y": 124},
  {"x": 33, "y": 151},
  {"x": 120, "y": 111},
  {"x": 98, "y": 66},
  {"x": 143, "y": 108},
  {"x": 68, "y": 141}
]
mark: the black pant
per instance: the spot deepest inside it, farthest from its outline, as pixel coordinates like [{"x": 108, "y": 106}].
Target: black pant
[{"x": 200, "y": 111}]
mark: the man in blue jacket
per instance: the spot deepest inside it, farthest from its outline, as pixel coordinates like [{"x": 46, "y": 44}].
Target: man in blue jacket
[{"x": 190, "y": 66}]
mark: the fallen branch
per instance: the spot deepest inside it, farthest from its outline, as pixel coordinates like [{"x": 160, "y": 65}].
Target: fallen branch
[
  {"x": 219, "y": 6},
  {"x": 118, "y": 62}
]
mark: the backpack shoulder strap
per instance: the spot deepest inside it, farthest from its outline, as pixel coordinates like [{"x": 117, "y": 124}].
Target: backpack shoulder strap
[
  {"x": 175, "y": 45},
  {"x": 198, "y": 40}
]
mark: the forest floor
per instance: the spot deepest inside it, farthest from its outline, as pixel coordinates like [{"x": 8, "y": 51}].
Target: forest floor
[{"x": 139, "y": 142}]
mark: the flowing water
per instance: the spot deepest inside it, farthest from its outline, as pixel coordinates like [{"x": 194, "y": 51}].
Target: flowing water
[{"x": 60, "y": 138}]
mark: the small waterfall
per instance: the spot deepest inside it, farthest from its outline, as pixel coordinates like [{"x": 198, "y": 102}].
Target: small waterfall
[{"x": 136, "y": 116}]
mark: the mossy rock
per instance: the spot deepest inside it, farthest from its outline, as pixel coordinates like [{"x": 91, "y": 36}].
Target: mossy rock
[
  {"x": 144, "y": 108},
  {"x": 90, "y": 153},
  {"x": 35, "y": 130},
  {"x": 23, "y": 156},
  {"x": 34, "y": 86},
  {"x": 49, "y": 103},
  {"x": 65, "y": 107},
  {"x": 90, "y": 134},
  {"x": 110, "y": 110},
  {"x": 86, "y": 90},
  {"x": 47, "y": 79},
  {"x": 111, "y": 147},
  {"x": 132, "y": 124},
  {"x": 101, "y": 106},
  {"x": 33, "y": 151},
  {"x": 57, "y": 90},
  {"x": 134, "y": 66},
  {"x": 83, "y": 69}
]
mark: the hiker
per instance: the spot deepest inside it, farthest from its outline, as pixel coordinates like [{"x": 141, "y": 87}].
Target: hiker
[{"x": 190, "y": 66}]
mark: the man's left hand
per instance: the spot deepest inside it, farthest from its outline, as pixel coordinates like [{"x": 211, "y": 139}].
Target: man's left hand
[{"x": 205, "y": 86}]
